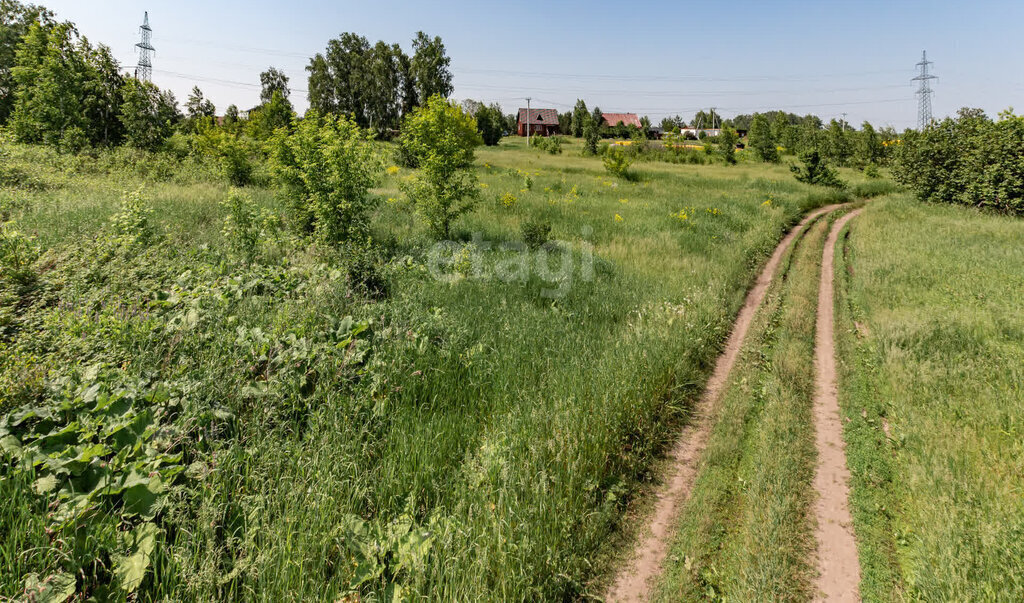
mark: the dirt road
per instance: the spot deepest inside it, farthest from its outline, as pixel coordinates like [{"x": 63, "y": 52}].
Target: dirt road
[
  {"x": 838, "y": 566},
  {"x": 634, "y": 582}
]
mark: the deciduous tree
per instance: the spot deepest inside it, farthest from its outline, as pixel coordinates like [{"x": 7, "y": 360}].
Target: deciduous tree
[
  {"x": 431, "y": 67},
  {"x": 15, "y": 20},
  {"x": 148, "y": 115},
  {"x": 762, "y": 140},
  {"x": 273, "y": 80},
  {"x": 579, "y": 118}
]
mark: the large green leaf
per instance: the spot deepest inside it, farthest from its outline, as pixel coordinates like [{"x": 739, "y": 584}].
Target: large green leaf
[
  {"x": 54, "y": 589},
  {"x": 131, "y": 569}
]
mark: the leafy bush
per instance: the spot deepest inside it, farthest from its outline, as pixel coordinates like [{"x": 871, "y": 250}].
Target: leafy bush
[
  {"x": 17, "y": 253},
  {"x": 815, "y": 170},
  {"x": 242, "y": 227},
  {"x": 231, "y": 152},
  {"x": 491, "y": 124},
  {"x": 132, "y": 225},
  {"x": 551, "y": 144},
  {"x": 325, "y": 169},
  {"x": 147, "y": 114},
  {"x": 969, "y": 160},
  {"x": 441, "y": 137},
  {"x": 617, "y": 162},
  {"x": 535, "y": 232},
  {"x": 761, "y": 139}
]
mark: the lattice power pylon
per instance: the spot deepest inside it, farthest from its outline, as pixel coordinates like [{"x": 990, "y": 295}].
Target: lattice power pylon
[
  {"x": 924, "y": 92},
  {"x": 144, "y": 71}
]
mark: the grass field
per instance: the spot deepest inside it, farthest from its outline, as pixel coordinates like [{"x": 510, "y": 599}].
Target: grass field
[
  {"x": 462, "y": 435},
  {"x": 932, "y": 337},
  {"x": 479, "y": 422}
]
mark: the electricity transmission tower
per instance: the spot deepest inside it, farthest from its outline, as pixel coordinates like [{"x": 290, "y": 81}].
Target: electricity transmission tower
[
  {"x": 924, "y": 92},
  {"x": 144, "y": 71}
]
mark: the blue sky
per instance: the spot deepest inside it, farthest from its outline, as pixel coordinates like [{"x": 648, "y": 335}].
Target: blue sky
[{"x": 656, "y": 58}]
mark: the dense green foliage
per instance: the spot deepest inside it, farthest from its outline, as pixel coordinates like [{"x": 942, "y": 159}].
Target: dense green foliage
[
  {"x": 377, "y": 85},
  {"x": 490, "y": 121},
  {"x": 969, "y": 160},
  {"x": 326, "y": 168},
  {"x": 148, "y": 115},
  {"x": 273, "y": 81},
  {"x": 727, "y": 144},
  {"x": 67, "y": 91},
  {"x": 15, "y": 20},
  {"x": 616, "y": 162}
]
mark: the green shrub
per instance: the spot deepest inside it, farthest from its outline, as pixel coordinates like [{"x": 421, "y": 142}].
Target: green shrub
[
  {"x": 441, "y": 138},
  {"x": 535, "y": 232},
  {"x": 231, "y": 152},
  {"x": 491, "y": 124},
  {"x": 969, "y": 160},
  {"x": 133, "y": 225},
  {"x": 17, "y": 253},
  {"x": 325, "y": 169},
  {"x": 617, "y": 163},
  {"x": 74, "y": 140},
  {"x": 235, "y": 163},
  {"x": 242, "y": 224},
  {"x": 816, "y": 170}
]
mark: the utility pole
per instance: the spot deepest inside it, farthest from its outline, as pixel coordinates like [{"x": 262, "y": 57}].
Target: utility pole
[
  {"x": 528, "y": 99},
  {"x": 844, "y": 122},
  {"x": 144, "y": 71},
  {"x": 714, "y": 118},
  {"x": 924, "y": 92}
]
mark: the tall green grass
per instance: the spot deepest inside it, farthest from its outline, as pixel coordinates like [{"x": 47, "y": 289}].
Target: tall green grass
[
  {"x": 481, "y": 440},
  {"x": 932, "y": 350}
]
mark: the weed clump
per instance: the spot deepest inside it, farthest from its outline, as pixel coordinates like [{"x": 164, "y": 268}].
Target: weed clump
[{"x": 535, "y": 232}]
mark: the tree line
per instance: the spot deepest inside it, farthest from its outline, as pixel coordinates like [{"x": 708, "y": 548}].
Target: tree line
[{"x": 58, "y": 89}]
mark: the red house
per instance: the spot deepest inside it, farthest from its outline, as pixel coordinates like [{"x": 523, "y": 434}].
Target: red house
[
  {"x": 613, "y": 119},
  {"x": 541, "y": 121}
]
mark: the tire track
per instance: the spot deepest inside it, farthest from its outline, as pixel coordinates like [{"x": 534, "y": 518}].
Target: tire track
[
  {"x": 634, "y": 581},
  {"x": 838, "y": 565}
]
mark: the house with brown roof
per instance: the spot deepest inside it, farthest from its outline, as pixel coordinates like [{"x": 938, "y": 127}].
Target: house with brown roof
[
  {"x": 613, "y": 119},
  {"x": 541, "y": 121}
]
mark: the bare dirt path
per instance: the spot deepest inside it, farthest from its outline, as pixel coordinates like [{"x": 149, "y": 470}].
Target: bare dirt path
[
  {"x": 838, "y": 566},
  {"x": 634, "y": 581}
]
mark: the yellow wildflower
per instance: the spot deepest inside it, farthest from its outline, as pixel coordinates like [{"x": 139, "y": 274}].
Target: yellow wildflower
[
  {"x": 618, "y": 218},
  {"x": 392, "y": 170}
]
